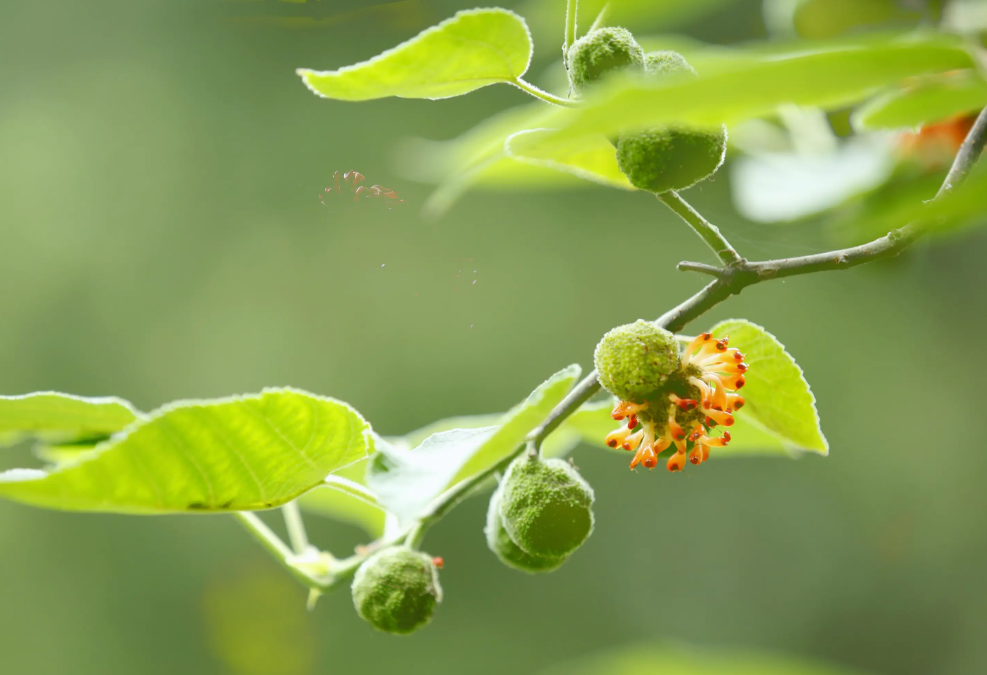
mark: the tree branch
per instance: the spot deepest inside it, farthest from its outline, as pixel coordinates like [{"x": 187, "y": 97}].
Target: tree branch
[
  {"x": 969, "y": 153},
  {"x": 705, "y": 229}
]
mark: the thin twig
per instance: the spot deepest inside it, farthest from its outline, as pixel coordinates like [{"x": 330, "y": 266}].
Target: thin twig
[
  {"x": 702, "y": 268},
  {"x": 968, "y": 154},
  {"x": 571, "y": 18},
  {"x": 296, "y": 527},
  {"x": 543, "y": 95},
  {"x": 705, "y": 229}
]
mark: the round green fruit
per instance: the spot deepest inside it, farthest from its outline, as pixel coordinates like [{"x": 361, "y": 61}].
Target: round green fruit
[
  {"x": 635, "y": 360},
  {"x": 670, "y": 158},
  {"x": 602, "y": 52},
  {"x": 396, "y": 590},
  {"x": 659, "y": 159},
  {"x": 546, "y": 506},
  {"x": 503, "y": 546},
  {"x": 666, "y": 63}
]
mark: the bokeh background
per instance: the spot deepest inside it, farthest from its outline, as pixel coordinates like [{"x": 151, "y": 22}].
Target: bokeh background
[{"x": 161, "y": 237}]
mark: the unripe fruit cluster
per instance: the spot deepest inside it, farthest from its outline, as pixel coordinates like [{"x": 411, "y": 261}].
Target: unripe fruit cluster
[
  {"x": 655, "y": 159},
  {"x": 539, "y": 515},
  {"x": 396, "y": 590}
]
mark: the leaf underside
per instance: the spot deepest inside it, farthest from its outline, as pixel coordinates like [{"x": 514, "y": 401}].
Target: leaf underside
[
  {"x": 473, "y": 49},
  {"x": 241, "y": 453}
]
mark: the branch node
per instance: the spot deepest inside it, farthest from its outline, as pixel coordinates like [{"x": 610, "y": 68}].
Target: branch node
[{"x": 703, "y": 268}]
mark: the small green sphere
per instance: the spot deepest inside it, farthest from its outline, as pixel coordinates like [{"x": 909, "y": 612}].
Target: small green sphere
[
  {"x": 636, "y": 359},
  {"x": 511, "y": 554},
  {"x": 546, "y": 506},
  {"x": 601, "y": 52},
  {"x": 670, "y": 158},
  {"x": 666, "y": 63},
  {"x": 396, "y": 590}
]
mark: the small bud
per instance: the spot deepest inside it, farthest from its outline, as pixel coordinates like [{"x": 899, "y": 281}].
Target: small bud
[
  {"x": 635, "y": 360},
  {"x": 602, "y": 52},
  {"x": 511, "y": 554},
  {"x": 396, "y": 590},
  {"x": 546, "y": 507}
]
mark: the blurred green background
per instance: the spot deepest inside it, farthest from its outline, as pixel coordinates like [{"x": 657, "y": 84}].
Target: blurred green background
[{"x": 161, "y": 237}]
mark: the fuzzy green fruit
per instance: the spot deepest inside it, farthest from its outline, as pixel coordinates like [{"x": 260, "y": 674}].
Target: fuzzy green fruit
[
  {"x": 396, "y": 590},
  {"x": 601, "y": 52},
  {"x": 670, "y": 158},
  {"x": 659, "y": 159},
  {"x": 546, "y": 506},
  {"x": 666, "y": 63},
  {"x": 511, "y": 554},
  {"x": 636, "y": 359}
]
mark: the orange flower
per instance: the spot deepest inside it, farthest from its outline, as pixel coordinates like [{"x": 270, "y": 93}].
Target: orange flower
[{"x": 699, "y": 397}]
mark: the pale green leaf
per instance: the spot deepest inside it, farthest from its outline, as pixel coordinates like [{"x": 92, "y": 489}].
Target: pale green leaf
[
  {"x": 831, "y": 76},
  {"x": 592, "y": 157},
  {"x": 234, "y": 454},
  {"x": 345, "y": 497},
  {"x": 558, "y": 444},
  {"x": 476, "y": 159},
  {"x": 520, "y": 420},
  {"x": 432, "y": 161},
  {"x": 776, "y": 394},
  {"x": 932, "y": 100},
  {"x": 62, "y": 418},
  {"x": 406, "y": 481},
  {"x": 473, "y": 49},
  {"x": 649, "y": 659},
  {"x": 905, "y": 199}
]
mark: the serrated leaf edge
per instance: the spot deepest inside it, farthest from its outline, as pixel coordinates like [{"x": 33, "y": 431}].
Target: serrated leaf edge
[{"x": 812, "y": 396}]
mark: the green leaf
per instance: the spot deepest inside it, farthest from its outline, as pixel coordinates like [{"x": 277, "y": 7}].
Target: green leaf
[
  {"x": 234, "y": 454},
  {"x": 62, "y": 418},
  {"x": 904, "y": 200},
  {"x": 408, "y": 480},
  {"x": 591, "y": 157},
  {"x": 345, "y": 497},
  {"x": 649, "y": 659},
  {"x": 777, "y": 397},
  {"x": 837, "y": 75},
  {"x": 476, "y": 159},
  {"x": 932, "y": 100},
  {"x": 593, "y": 422},
  {"x": 473, "y": 49}
]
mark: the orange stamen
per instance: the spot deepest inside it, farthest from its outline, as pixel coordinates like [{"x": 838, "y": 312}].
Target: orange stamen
[
  {"x": 720, "y": 417},
  {"x": 616, "y": 438},
  {"x": 624, "y": 408}
]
